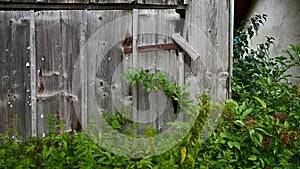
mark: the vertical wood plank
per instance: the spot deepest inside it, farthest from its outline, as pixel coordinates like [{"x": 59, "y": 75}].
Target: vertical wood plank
[
  {"x": 59, "y": 40},
  {"x": 15, "y": 72},
  {"x": 105, "y": 28},
  {"x": 33, "y": 76},
  {"x": 155, "y": 27},
  {"x": 49, "y": 65},
  {"x": 209, "y": 35},
  {"x": 73, "y": 27}
]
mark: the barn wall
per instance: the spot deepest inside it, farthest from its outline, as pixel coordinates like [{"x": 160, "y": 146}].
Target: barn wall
[{"x": 73, "y": 75}]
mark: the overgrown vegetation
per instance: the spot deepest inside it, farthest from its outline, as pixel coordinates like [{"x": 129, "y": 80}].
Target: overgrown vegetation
[{"x": 259, "y": 129}]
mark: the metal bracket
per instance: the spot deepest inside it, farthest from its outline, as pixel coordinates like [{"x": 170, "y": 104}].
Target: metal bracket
[
  {"x": 167, "y": 46},
  {"x": 180, "y": 43}
]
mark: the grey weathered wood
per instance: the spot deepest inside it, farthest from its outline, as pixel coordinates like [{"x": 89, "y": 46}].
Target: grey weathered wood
[
  {"x": 61, "y": 35},
  {"x": 72, "y": 1},
  {"x": 158, "y": 2},
  {"x": 73, "y": 28},
  {"x": 106, "y": 32},
  {"x": 155, "y": 27},
  {"x": 56, "y": 54},
  {"x": 185, "y": 46},
  {"x": 209, "y": 34},
  {"x": 23, "y": 1},
  {"x": 33, "y": 74},
  {"x": 15, "y": 72},
  {"x": 49, "y": 60},
  {"x": 112, "y": 1},
  {"x": 135, "y": 22},
  {"x": 181, "y": 68}
]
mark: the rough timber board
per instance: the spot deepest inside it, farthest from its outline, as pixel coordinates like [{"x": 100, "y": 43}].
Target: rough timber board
[
  {"x": 143, "y": 2},
  {"x": 158, "y": 2},
  {"x": 155, "y": 27},
  {"x": 209, "y": 34},
  {"x": 15, "y": 72},
  {"x": 57, "y": 47}
]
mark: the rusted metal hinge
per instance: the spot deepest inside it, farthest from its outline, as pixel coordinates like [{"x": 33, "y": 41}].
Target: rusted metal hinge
[{"x": 167, "y": 46}]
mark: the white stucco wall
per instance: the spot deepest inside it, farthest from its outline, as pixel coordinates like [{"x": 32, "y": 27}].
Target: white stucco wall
[{"x": 283, "y": 23}]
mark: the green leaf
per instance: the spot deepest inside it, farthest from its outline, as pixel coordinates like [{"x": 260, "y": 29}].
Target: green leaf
[
  {"x": 29, "y": 149},
  {"x": 230, "y": 144},
  {"x": 237, "y": 145},
  {"x": 246, "y": 112},
  {"x": 226, "y": 134},
  {"x": 252, "y": 157},
  {"x": 234, "y": 144},
  {"x": 263, "y": 104}
]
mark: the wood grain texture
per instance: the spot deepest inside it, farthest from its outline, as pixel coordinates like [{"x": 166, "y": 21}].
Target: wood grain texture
[
  {"x": 113, "y": 1},
  {"x": 158, "y": 2},
  {"x": 209, "y": 34},
  {"x": 58, "y": 44},
  {"x": 185, "y": 46},
  {"x": 155, "y": 27},
  {"x": 15, "y": 72},
  {"x": 70, "y": 84},
  {"x": 107, "y": 30}
]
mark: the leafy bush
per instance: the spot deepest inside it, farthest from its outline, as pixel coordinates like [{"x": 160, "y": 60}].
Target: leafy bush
[{"x": 259, "y": 129}]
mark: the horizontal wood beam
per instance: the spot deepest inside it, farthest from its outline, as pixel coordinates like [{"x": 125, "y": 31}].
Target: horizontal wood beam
[{"x": 73, "y": 6}]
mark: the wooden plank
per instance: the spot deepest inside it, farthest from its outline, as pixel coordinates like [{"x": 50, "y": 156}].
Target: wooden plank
[
  {"x": 15, "y": 72},
  {"x": 59, "y": 39},
  {"x": 113, "y": 1},
  {"x": 33, "y": 76},
  {"x": 49, "y": 59},
  {"x": 45, "y": 1},
  {"x": 208, "y": 33},
  {"x": 158, "y": 2},
  {"x": 73, "y": 1},
  {"x": 107, "y": 30},
  {"x": 73, "y": 28},
  {"x": 23, "y": 1},
  {"x": 155, "y": 27},
  {"x": 185, "y": 46}
]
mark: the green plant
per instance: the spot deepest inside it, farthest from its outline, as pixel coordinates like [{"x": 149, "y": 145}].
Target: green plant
[{"x": 158, "y": 81}]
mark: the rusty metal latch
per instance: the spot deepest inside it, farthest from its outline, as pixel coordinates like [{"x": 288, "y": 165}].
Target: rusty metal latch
[
  {"x": 167, "y": 46},
  {"x": 180, "y": 43}
]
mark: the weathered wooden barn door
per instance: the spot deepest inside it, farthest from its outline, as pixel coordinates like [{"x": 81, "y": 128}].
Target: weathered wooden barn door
[
  {"x": 103, "y": 60},
  {"x": 68, "y": 62}
]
